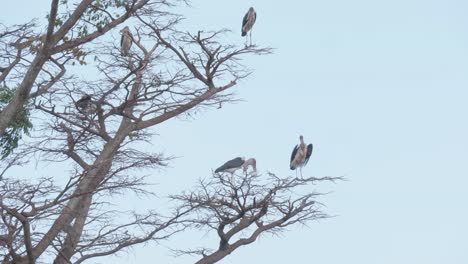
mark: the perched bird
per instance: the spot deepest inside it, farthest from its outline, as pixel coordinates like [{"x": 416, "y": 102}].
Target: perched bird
[
  {"x": 125, "y": 41},
  {"x": 236, "y": 164},
  {"x": 86, "y": 105},
  {"x": 247, "y": 24},
  {"x": 300, "y": 155}
]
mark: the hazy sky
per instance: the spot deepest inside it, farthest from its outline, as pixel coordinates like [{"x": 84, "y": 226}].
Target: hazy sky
[{"x": 379, "y": 87}]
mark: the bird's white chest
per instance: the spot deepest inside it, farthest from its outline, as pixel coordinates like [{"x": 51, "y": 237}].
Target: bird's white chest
[
  {"x": 301, "y": 154},
  {"x": 232, "y": 170}
]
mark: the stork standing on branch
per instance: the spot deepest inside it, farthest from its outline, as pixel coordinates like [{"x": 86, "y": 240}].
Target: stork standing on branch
[
  {"x": 300, "y": 155},
  {"x": 247, "y": 24},
  {"x": 125, "y": 41},
  {"x": 85, "y": 105},
  {"x": 238, "y": 163}
]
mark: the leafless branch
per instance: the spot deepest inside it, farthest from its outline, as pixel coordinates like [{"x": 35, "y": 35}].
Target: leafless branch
[{"x": 240, "y": 208}]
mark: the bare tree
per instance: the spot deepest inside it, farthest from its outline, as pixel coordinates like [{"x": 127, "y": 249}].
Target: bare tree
[
  {"x": 238, "y": 209},
  {"x": 168, "y": 73},
  {"x": 29, "y": 52}
]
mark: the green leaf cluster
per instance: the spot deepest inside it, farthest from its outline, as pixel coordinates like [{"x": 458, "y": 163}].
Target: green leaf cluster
[{"x": 19, "y": 125}]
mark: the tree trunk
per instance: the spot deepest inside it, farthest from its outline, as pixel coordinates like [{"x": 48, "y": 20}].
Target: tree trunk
[{"x": 74, "y": 235}]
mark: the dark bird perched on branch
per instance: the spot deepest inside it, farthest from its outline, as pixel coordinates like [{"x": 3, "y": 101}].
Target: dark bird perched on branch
[
  {"x": 247, "y": 24},
  {"x": 86, "y": 105},
  {"x": 300, "y": 155},
  {"x": 237, "y": 163},
  {"x": 126, "y": 41}
]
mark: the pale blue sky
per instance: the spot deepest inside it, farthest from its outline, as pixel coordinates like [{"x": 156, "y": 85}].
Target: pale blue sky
[{"x": 379, "y": 88}]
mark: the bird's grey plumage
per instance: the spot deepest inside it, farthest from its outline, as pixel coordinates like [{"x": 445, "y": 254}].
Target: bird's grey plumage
[
  {"x": 247, "y": 24},
  {"x": 300, "y": 154},
  {"x": 231, "y": 164},
  {"x": 85, "y": 105},
  {"x": 248, "y": 21},
  {"x": 308, "y": 154},
  {"x": 293, "y": 155},
  {"x": 125, "y": 41}
]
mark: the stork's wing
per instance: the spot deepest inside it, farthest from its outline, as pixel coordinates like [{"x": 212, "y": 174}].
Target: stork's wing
[
  {"x": 122, "y": 39},
  {"x": 82, "y": 102},
  {"x": 83, "y": 99},
  {"x": 293, "y": 154},
  {"x": 309, "y": 153},
  {"x": 234, "y": 163},
  {"x": 244, "y": 21}
]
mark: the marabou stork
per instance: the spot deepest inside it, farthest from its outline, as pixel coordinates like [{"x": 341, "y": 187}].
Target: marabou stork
[
  {"x": 238, "y": 163},
  {"x": 125, "y": 41},
  {"x": 300, "y": 155},
  {"x": 247, "y": 24},
  {"x": 86, "y": 105}
]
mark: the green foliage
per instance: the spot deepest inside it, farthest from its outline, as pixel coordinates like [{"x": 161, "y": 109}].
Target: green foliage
[
  {"x": 94, "y": 18},
  {"x": 19, "y": 125},
  {"x": 97, "y": 16}
]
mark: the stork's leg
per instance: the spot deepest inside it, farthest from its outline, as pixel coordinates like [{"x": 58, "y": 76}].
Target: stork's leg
[{"x": 251, "y": 36}]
